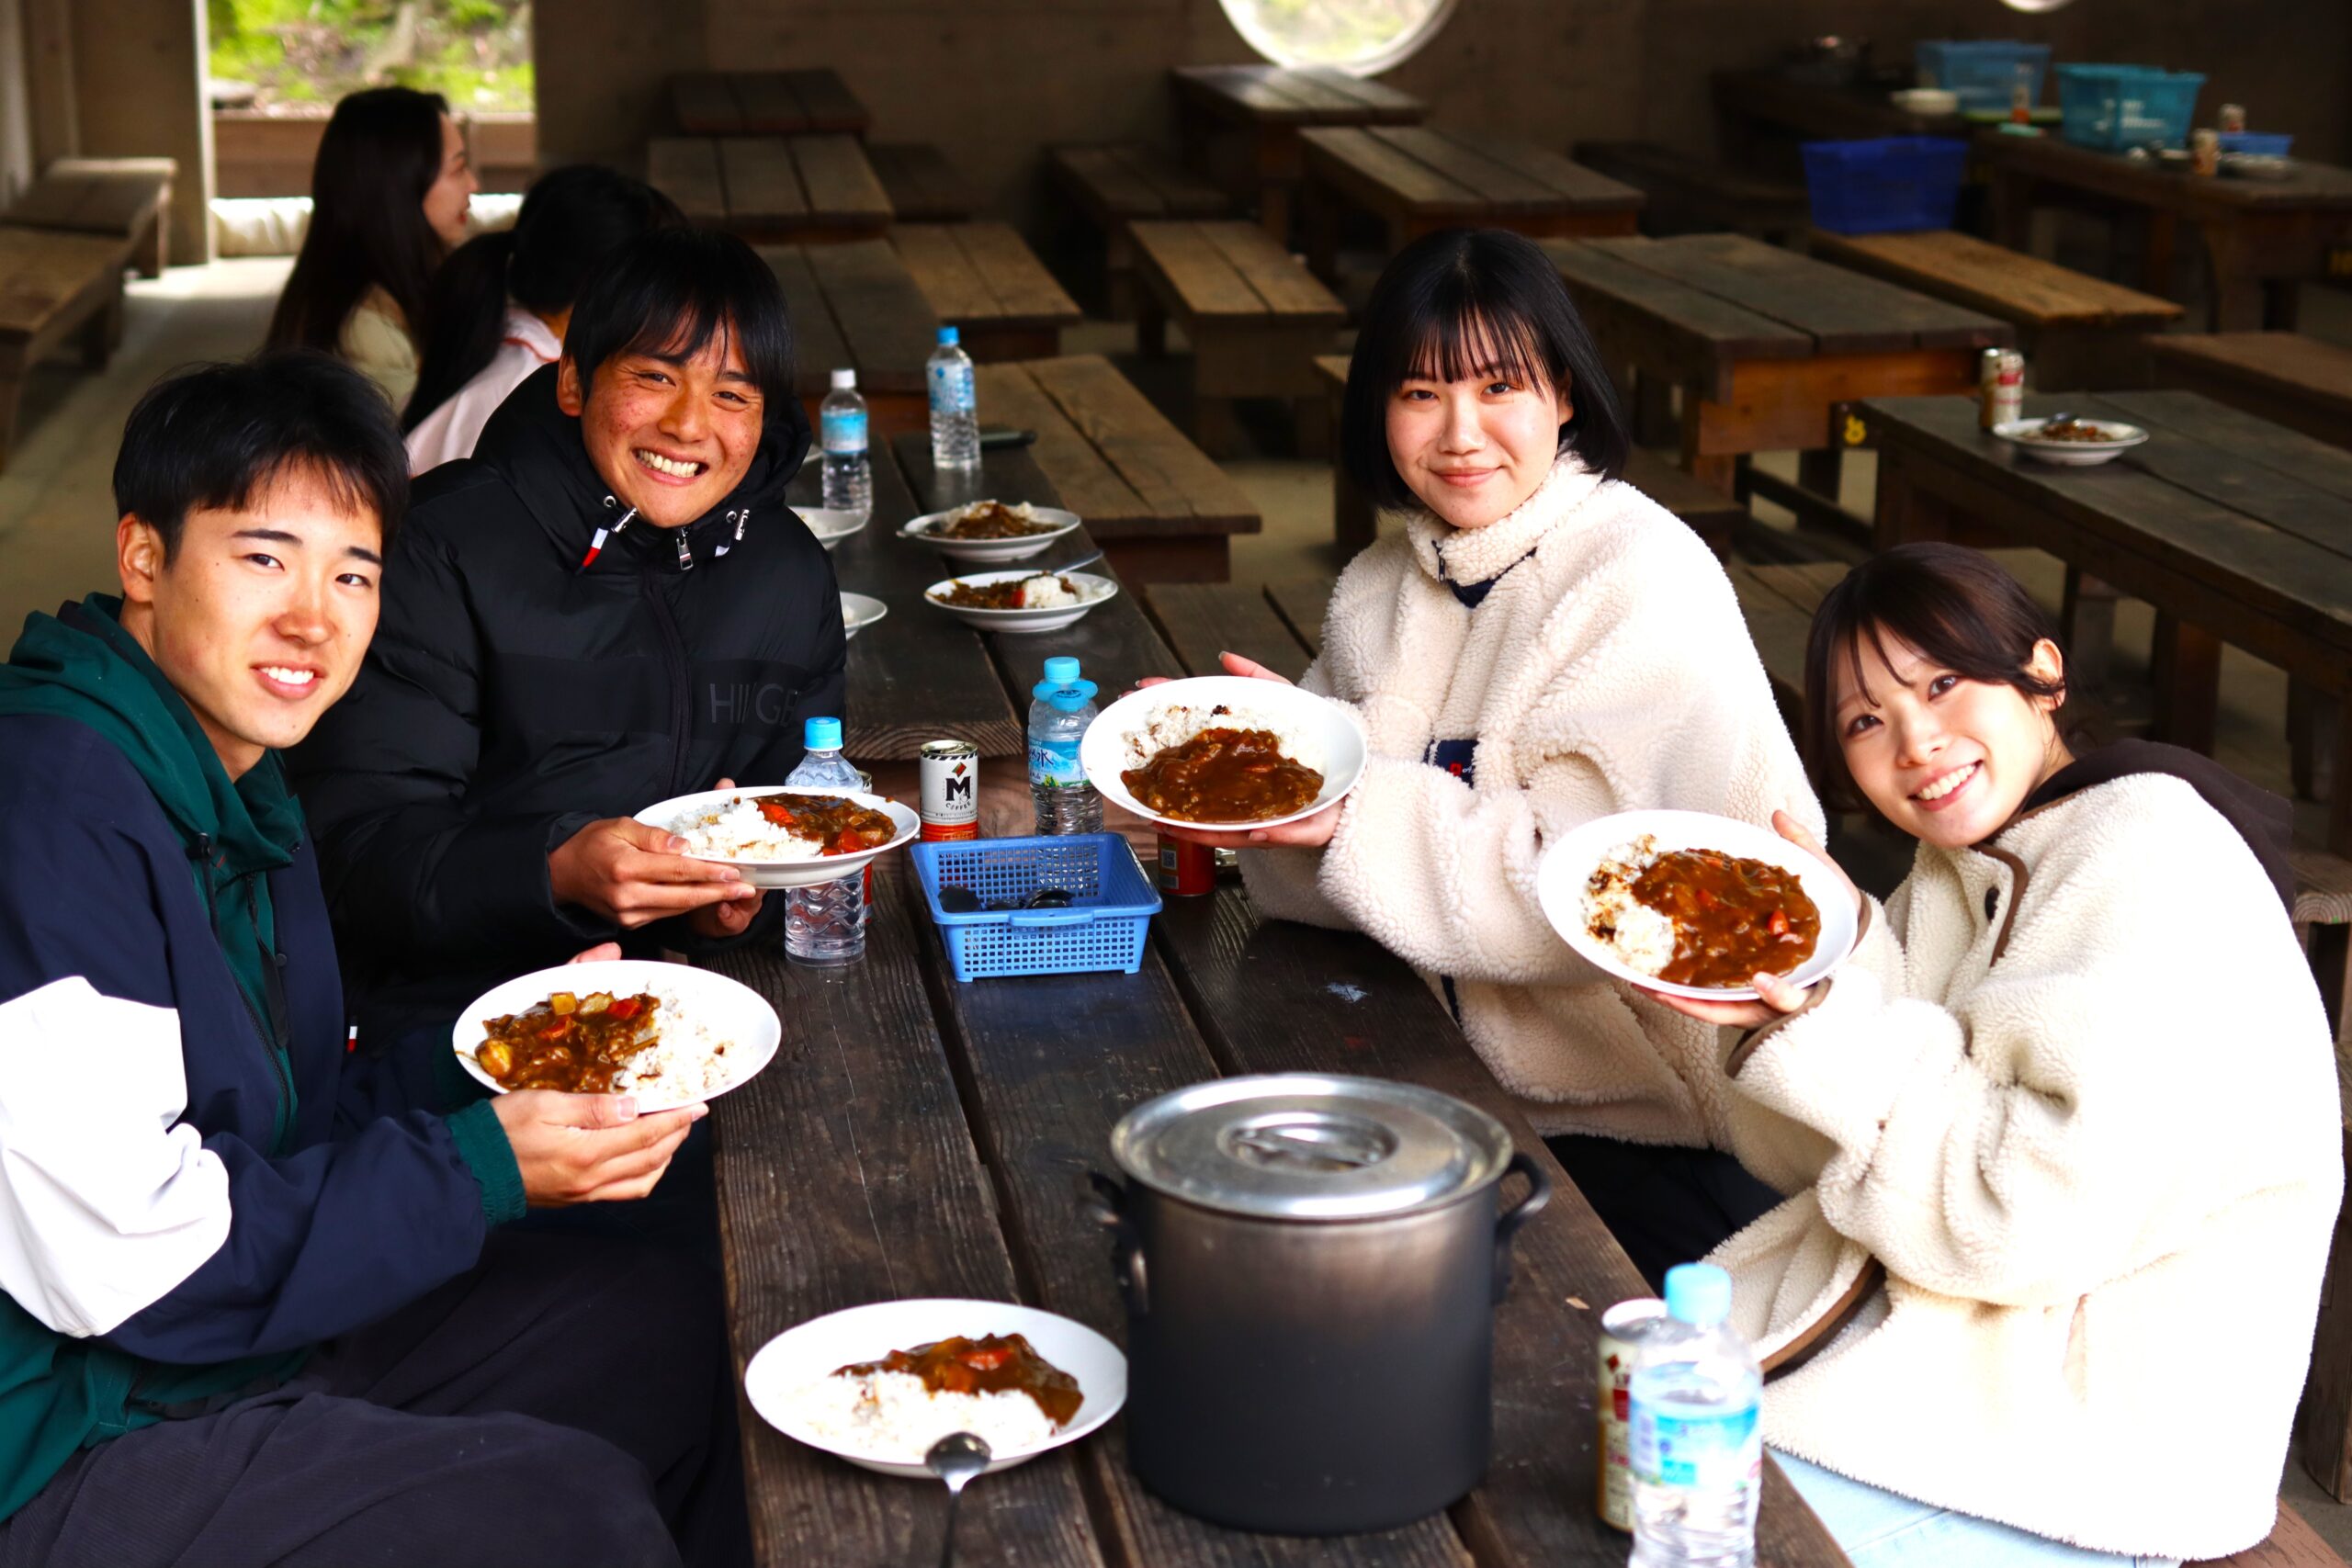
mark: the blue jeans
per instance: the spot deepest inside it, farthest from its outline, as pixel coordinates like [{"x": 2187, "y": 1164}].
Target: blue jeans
[{"x": 1881, "y": 1530}]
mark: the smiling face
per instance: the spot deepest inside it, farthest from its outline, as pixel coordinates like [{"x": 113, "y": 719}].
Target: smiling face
[
  {"x": 1473, "y": 449},
  {"x": 1946, "y": 758},
  {"x": 261, "y": 616},
  {"x": 449, "y": 197},
  {"x": 672, "y": 436}
]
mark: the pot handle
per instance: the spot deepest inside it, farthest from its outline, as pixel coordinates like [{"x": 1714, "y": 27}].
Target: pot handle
[
  {"x": 1105, "y": 1201},
  {"x": 1539, "y": 1192}
]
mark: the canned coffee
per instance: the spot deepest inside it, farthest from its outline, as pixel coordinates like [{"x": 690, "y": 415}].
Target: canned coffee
[
  {"x": 2000, "y": 387},
  {"x": 950, "y": 797},
  {"x": 1622, "y": 1327}
]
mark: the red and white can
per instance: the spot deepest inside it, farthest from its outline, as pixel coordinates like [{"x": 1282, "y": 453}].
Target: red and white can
[
  {"x": 2233, "y": 119},
  {"x": 1186, "y": 869},
  {"x": 1623, "y": 1328},
  {"x": 950, "y": 804},
  {"x": 2000, "y": 381}
]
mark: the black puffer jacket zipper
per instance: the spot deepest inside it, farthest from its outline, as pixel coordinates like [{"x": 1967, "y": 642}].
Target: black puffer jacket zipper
[{"x": 673, "y": 658}]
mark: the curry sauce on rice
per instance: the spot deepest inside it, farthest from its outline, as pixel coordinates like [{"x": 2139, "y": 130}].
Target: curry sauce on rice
[
  {"x": 1217, "y": 764},
  {"x": 1699, "y": 917}
]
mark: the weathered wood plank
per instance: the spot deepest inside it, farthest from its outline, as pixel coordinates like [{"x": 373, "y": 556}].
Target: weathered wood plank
[
  {"x": 887, "y": 324},
  {"x": 1843, "y": 313},
  {"x": 1301, "y": 602},
  {"x": 826, "y": 101},
  {"x": 1027, "y": 295},
  {"x": 1088, "y": 484},
  {"x": 686, "y": 169},
  {"x": 841, "y": 186},
  {"x": 1167, "y": 472},
  {"x": 1190, "y": 277},
  {"x": 923, "y": 187},
  {"x": 2018, "y": 288},
  {"x": 1286, "y": 290},
  {"x": 1200, "y": 620},
  {"x": 702, "y": 103},
  {"x": 817, "y": 341},
  {"x": 763, "y": 189}
]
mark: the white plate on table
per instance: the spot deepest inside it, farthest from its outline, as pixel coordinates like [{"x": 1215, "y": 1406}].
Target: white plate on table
[
  {"x": 805, "y": 872},
  {"x": 832, "y": 526},
  {"x": 860, "y": 611},
  {"x": 988, "y": 552},
  {"x": 731, "y": 1013},
  {"x": 2025, "y": 433},
  {"x": 1569, "y": 863},
  {"x": 1320, "y": 733},
  {"x": 822, "y": 1346},
  {"x": 1090, "y": 590}
]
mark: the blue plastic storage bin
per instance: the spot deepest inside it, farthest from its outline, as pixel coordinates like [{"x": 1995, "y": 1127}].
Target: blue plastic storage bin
[
  {"x": 1983, "y": 71},
  {"x": 1895, "y": 183},
  {"x": 2115, "y": 108},
  {"x": 1112, "y": 903},
  {"x": 2260, "y": 143}
]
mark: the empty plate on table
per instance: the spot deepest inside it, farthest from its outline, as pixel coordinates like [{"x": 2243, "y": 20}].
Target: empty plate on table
[
  {"x": 991, "y": 552},
  {"x": 2073, "y": 452},
  {"x": 712, "y": 1033},
  {"x": 783, "y": 1380},
  {"x": 830, "y": 527},
  {"x": 860, "y": 611},
  {"x": 785, "y": 867},
  {"x": 1312, "y": 731},
  {"x": 1086, "y": 588},
  {"x": 1563, "y": 887}
]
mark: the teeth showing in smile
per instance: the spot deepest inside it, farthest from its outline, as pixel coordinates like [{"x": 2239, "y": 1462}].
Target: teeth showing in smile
[
  {"x": 284, "y": 676},
  {"x": 1949, "y": 783},
  {"x": 670, "y": 466}
]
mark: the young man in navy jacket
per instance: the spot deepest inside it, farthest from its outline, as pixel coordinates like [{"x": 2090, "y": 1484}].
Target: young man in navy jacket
[{"x": 237, "y": 1323}]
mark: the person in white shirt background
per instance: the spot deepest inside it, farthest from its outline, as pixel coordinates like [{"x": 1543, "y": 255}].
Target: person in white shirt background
[{"x": 499, "y": 305}]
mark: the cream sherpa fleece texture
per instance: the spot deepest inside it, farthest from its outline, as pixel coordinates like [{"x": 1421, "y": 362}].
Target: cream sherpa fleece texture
[
  {"x": 1609, "y": 670},
  {"x": 2076, "y": 1094}
]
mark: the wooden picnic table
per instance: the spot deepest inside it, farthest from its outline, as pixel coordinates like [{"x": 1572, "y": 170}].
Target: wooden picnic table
[
  {"x": 2288, "y": 378},
  {"x": 921, "y": 1138},
  {"x": 1766, "y": 345},
  {"x": 808, "y": 188},
  {"x": 1241, "y": 124},
  {"x": 2261, "y": 238},
  {"x": 54, "y": 286},
  {"x": 1416, "y": 180},
  {"x": 983, "y": 279},
  {"x": 2236, "y": 530},
  {"x": 856, "y": 307},
  {"x": 755, "y": 103}
]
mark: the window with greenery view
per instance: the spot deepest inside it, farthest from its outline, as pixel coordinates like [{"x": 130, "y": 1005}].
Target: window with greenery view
[
  {"x": 1359, "y": 36},
  {"x": 476, "y": 52}
]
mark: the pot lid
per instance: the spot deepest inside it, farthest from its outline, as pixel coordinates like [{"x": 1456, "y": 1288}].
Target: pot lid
[{"x": 1311, "y": 1146}]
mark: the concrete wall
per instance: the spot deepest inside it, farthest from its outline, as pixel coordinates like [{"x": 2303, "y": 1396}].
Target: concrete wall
[{"x": 15, "y": 104}]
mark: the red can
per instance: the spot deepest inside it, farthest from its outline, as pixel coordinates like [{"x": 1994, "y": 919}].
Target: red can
[{"x": 1186, "y": 869}]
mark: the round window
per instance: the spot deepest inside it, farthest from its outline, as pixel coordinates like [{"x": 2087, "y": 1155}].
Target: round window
[{"x": 1357, "y": 36}]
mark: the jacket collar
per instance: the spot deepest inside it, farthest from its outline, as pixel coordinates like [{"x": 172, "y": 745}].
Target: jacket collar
[{"x": 1469, "y": 557}]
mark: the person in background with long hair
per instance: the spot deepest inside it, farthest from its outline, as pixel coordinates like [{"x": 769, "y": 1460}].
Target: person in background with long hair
[
  {"x": 498, "y": 307},
  {"x": 388, "y": 197}
]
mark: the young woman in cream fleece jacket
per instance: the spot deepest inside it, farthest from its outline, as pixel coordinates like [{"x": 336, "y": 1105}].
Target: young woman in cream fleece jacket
[
  {"x": 1538, "y": 645},
  {"x": 2062, "y": 1133}
]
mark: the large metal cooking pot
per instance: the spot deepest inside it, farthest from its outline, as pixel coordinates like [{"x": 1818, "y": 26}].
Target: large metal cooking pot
[{"x": 1311, "y": 1265}]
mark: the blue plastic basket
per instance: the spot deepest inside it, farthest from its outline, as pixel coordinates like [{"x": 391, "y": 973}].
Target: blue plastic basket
[
  {"x": 1112, "y": 903},
  {"x": 2260, "y": 143},
  {"x": 1895, "y": 183},
  {"x": 2115, "y": 108},
  {"x": 1983, "y": 71}
]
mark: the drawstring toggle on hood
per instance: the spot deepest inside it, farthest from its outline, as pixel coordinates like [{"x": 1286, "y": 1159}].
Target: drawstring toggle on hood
[{"x": 596, "y": 544}]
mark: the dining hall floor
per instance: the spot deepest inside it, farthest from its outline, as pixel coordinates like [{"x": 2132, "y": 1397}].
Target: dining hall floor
[{"x": 57, "y": 516}]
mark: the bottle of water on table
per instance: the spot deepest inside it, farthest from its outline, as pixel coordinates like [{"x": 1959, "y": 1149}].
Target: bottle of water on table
[
  {"x": 840, "y": 423},
  {"x": 825, "y": 924},
  {"x": 1697, "y": 1439},
  {"x": 954, "y": 406},
  {"x": 1057, "y": 719}
]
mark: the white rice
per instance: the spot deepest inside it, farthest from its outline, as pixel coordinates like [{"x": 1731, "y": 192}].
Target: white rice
[
  {"x": 689, "y": 1061},
  {"x": 1179, "y": 722},
  {"x": 1640, "y": 937},
  {"x": 1021, "y": 509},
  {"x": 892, "y": 1417},
  {"x": 735, "y": 829},
  {"x": 1046, "y": 593}
]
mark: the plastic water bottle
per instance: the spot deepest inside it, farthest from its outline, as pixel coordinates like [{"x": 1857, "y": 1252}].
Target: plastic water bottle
[
  {"x": 955, "y": 408},
  {"x": 825, "y": 924},
  {"x": 1057, "y": 719},
  {"x": 849, "y": 480},
  {"x": 1697, "y": 1440}
]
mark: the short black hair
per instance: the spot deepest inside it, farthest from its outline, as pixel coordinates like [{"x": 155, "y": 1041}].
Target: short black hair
[
  {"x": 1956, "y": 605},
  {"x": 1457, "y": 303},
  {"x": 671, "y": 292},
  {"x": 215, "y": 435}
]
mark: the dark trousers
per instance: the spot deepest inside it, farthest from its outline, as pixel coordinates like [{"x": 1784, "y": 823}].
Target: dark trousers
[
  {"x": 1664, "y": 1205},
  {"x": 569, "y": 1402}
]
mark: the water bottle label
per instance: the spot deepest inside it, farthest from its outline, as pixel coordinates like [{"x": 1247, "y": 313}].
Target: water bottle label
[
  {"x": 1697, "y": 1452},
  {"x": 951, "y": 388},
  {"x": 844, "y": 430},
  {"x": 1055, "y": 764}
]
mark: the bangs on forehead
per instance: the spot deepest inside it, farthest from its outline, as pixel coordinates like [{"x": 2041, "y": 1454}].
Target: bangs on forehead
[
  {"x": 1470, "y": 341},
  {"x": 685, "y": 335},
  {"x": 348, "y": 491}
]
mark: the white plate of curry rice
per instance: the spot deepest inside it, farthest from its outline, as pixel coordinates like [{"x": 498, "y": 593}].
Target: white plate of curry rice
[
  {"x": 830, "y": 526},
  {"x": 889, "y": 1422},
  {"x": 860, "y": 611},
  {"x": 702, "y": 1033},
  {"x": 1146, "y": 754},
  {"x": 1024, "y": 531},
  {"x": 1031, "y": 601},
  {"x": 1729, "y": 899},
  {"x": 756, "y": 830},
  {"x": 2075, "y": 444}
]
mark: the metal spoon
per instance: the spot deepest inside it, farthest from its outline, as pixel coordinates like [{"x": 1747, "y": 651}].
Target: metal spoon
[
  {"x": 1082, "y": 561},
  {"x": 955, "y": 1459}
]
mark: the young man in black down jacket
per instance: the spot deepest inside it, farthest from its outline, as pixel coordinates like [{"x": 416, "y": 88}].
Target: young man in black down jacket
[{"x": 607, "y": 605}]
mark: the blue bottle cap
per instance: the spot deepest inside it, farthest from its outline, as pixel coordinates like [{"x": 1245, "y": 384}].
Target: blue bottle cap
[
  {"x": 1062, "y": 687},
  {"x": 1698, "y": 1294},
  {"x": 948, "y": 335},
  {"x": 1061, "y": 670},
  {"x": 821, "y": 735}
]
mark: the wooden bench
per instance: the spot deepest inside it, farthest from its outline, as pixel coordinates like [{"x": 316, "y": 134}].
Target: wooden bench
[
  {"x": 983, "y": 280},
  {"x": 1300, "y": 602},
  {"x": 2080, "y": 333},
  {"x": 1684, "y": 195},
  {"x": 1200, "y": 620},
  {"x": 856, "y": 307},
  {"x": 1117, "y": 186},
  {"x": 923, "y": 187},
  {"x": 53, "y": 287},
  {"x": 770, "y": 103},
  {"x": 773, "y": 189},
  {"x": 126, "y": 196},
  {"x": 1254, "y": 316},
  {"x": 1160, "y": 508},
  {"x": 2285, "y": 377}
]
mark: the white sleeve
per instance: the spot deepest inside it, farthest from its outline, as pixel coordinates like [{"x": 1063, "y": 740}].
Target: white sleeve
[{"x": 106, "y": 1206}]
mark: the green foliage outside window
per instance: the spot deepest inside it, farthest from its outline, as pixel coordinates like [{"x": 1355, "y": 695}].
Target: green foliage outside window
[{"x": 476, "y": 52}]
